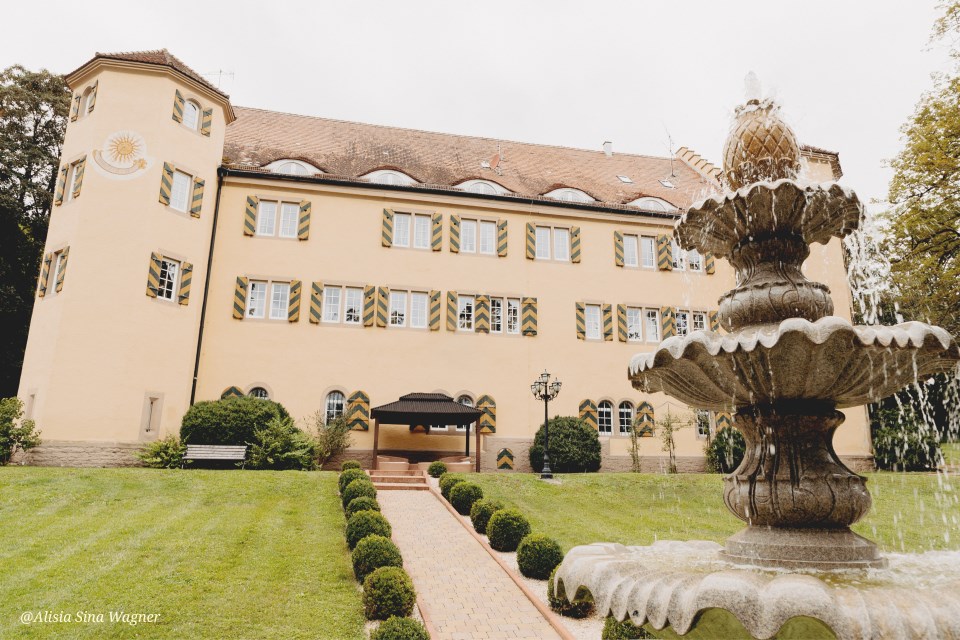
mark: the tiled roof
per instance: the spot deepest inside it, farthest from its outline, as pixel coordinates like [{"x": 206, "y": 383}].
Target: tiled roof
[
  {"x": 424, "y": 406},
  {"x": 352, "y": 149},
  {"x": 160, "y": 57}
]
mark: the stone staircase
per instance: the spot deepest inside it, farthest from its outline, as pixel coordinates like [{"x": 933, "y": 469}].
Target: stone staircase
[{"x": 413, "y": 480}]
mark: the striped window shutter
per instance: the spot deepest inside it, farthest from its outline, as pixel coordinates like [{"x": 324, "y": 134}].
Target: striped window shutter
[
  {"x": 153, "y": 275},
  {"x": 93, "y": 97},
  {"x": 645, "y": 419},
  {"x": 166, "y": 183},
  {"x": 358, "y": 411},
  {"x": 709, "y": 263},
  {"x": 303, "y": 226},
  {"x": 45, "y": 274},
  {"x": 723, "y": 420},
  {"x": 293, "y": 305},
  {"x": 575, "y": 244},
  {"x": 618, "y": 248},
  {"x": 178, "y": 103},
  {"x": 78, "y": 172},
  {"x": 488, "y": 419},
  {"x": 607, "y": 323},
  {"x": 383, "y": 306},
  {"x": 75, "y": 108},
  {"x": 714, "y": 317},
  {"x": 62, "y": 271},
  {"x": 668, "y": 322},
  {"x": 454, "y": 233},
  {"x": 206, "y": 122},
  {"x": 436, "y": 232},
  {"x": 452, "y": 310},
  {"x": 186, "y": 278},
  {"x": 196, "y": 201},
  {"x": 316, "y": 300},
  {"x": 622, "y": 322},
  {"x": 528, "y": 317},
  {"x": 386, "y": 228},
  {"x": 502, "y": 238},
  {"x": 664, "y": 253},
  {"x": 240, "y": 298},
  {"x": 61, "y": 185},
  {"x": 369, "y": 305},
  {"x": 588, "y": 413},
  {"x": 481, "y": 312},
  {"x": 434, "y": 310},
  {"x": 250, "y": 215},
  {"x": 531, "y": 242},
  {"x": 581, "y": 323},
  {"x": 231, "y": 392}
]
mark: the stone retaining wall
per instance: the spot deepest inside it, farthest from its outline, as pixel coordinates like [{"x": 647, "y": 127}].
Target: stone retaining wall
[{"x": 75, "y": 453}]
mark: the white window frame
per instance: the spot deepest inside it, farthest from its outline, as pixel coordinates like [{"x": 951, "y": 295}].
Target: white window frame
[
  {"x": 683, "y": 322},
  {"x": 389, "y": 177},
  {"x": 469, "y": 403},
  {"x": 252, "y": 311},
  {"x": 469, "y": 230},
  {"x": 289, "y": 219},
  {"x": 648, "y": 252},
  {"x": 634, "y": 325},
  {"x": 268, "y": 309},
  {"x": 543, "y": 249},
  {"x": 466, "y": 322},
  {"x": 421, "y": 231},
  {"x": 701, "y": 418},
  {"x": 679, "y": 257},
  {"x": 512, "y": 320},
  {"x": 398, "y": 308},
  {"x": 496, "y": 315},
  {"x": 334, "y": 405},
  {"x": 698, "y": 321},
  {"x": 561, "y": 244},
  {"x": 185, "y": 179},
  {"x": 282, "y": 166},
  {"x": 332, "y": 299},
  {"x": 356, "y": 305},
  {"x": 694, "y": 265},
  {"x": 486, "y": 237},
  {"x": 546, "y": 248},
  {"x": 187, "y": 104},
  {"x": 568, "y": 194},
  {"x": 603, "y": 407},
  {"x": 253, "y": 393},
  {"x": 272, "y": 224},
  {"x": 649, "y": 313},
  {"x": 593, "y": 321},
  {"x": 85, "y": 102},
  {"x": 402, "y": 239},
  {"x": 419, "y": 309},
  {"x": 626, "y": 404},
  {"x": 279, "y": 300},
  {"x": 163, "y": 293},
  {"x": 267, "y": 218},
  {"x": 631, "y": 250},
  {"x": 71, "y": 180}
]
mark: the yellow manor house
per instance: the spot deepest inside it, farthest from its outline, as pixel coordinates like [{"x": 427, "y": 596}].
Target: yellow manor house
[{"x": 198, "y": 250}]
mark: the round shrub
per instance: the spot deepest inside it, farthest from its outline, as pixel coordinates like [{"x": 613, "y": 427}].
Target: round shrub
[
  {"x": 366, "y": 523},
  {"x": 363, "y": 503},
  {"x": 230, "y": 421},
  {"x": 349, "y": 476},
  {"x": 350, "y": 464},
  {"x": 388, "y": 591},
  {"x": 580, "y": 607},
  {"x": 395, "y": 628},
  {"x": 538, "y": 555},
  {"x": 481, "y": 511},
  {"x": 626, "y": 630},
  {"x": 506, "y": 529},
  {"x": 436, "y": 469},
  {"x": 725, "y": 450},
  {"x": 374, "y": 552},
  {"x": 574, "y": 447},
  {"x": 463, "y": 495},
  {"x": 361, "y": 487},
  {"x": 447, "y": 481}
]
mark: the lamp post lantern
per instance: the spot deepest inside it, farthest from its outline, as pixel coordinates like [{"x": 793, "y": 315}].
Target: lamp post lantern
[{"x": 545, "y": 390}]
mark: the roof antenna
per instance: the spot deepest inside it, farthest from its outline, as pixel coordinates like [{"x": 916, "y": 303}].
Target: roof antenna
[
  {"x": 673, "y": 173},
  {"x": 220, "y": 73}
]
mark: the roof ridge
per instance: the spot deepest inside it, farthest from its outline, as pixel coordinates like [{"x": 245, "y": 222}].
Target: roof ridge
[{"x": 165, "y": 59}]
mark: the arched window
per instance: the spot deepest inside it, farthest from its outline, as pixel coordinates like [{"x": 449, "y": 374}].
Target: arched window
[
  {"x": 466, "y": 401},
  {"x": 191, "y": 114},
  {"x": 386, "y": 176},
  {"x": 652, "y": 204},
  {"x": 88, "y": 98},
  {"x": 605, "y": 418},
  {"x": 567, "y": 194},
  {"x": 334, "y": 406},
  {"x": 259, "y": 392},
  {"x": 483, "y": 187},
  {"x": 291, "y": 168},
  {"x": 626, "y": 417}
]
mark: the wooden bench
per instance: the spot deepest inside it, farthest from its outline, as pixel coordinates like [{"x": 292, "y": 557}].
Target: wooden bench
[{"x": 215, "y": 452}]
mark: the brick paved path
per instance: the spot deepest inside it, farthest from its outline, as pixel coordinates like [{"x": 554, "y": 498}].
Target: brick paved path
[{"x": 465, "y": 593}]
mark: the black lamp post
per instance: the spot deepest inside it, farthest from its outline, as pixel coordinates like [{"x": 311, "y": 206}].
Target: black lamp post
[{"x": 545, "y": 390}]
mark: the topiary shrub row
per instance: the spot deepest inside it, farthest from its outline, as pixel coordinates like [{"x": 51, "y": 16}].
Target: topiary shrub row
[
  {"x": 447, "y": 482},
  {"x": 463, "y": 495},
  {"x": 350, "y": 464},
  {"x": 436, "y": 469},
  {"x": 366, "y": 523},
  {"x": 395, "y": 628},
  {"x": 361, "y": 487},
  {"x": 481, "y": 511},
  {"x": 363, "y": 503},
  {"x": 506, "y": 528},
  {"x": 349, "y": 476},
  {"x": 538, "y": 555}
]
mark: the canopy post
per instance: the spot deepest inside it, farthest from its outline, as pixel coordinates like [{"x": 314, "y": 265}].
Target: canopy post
[
  {"x": 467, "y": 454},
  {"x": 376, "y": 442},
  {"x": 478, "y": 450}
]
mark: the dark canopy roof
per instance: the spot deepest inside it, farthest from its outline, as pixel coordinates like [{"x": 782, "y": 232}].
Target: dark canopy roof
[{"x": 425, "y": 409}]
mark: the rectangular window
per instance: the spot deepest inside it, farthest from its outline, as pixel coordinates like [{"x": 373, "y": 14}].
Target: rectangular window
[
  {"x": 634, "y": 325},
  {"x": 652, "y": 320},
  {"x": 648, "y": 252},
  {"x": 561, "y": 244},
  {"x": 679, "y": 257},
  {"x": 267, "y": 218},
  {"x": 465, "y": 313},
  {"x": 279, "y": 300},
  {"x": 398, "y": 308},
  {"x": 631, "y": 251},
  {"x": 543, "y": 243},
  {"x": 699, "y": 321},
  {"x": 257, "y": 300},
  {"x": 418, "y": 310},
  {"x": 331, "y": 304},
  {"x": 703, "y": 425},
  {"x": 353, "y": 305},
  {"x": 513, "y": 315},
  {"x": 71, "y": 181},
  {"x": 180, "y": 194},
  {"x": 167, "y": 288},
  {"x": 468, "y": 236},
  {"x": 496, "y": 315},
  {"x": 694, "y": 260},
  {"x": 421, "y": 232},
  {"x": 401, "y": 229},
  {"x": 605, "y": 418},
  {"x": 488, "y": 238},
  {"x": 289, "y": 217},
  {"x": 683, "y": 323},
  {"x": 593, "y": 321}
]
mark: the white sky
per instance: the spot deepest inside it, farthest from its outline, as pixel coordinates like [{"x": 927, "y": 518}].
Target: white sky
[{"x": 568, "y": 73}]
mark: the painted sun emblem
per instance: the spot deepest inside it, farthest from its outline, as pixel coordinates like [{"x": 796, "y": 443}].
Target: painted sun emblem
[
  {"x": 124, "y": 148},
  {"x": 123, "y": 154}
]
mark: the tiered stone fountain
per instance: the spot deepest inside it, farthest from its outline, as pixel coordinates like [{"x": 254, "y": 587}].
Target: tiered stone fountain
[{"x": 785, "y": 365}]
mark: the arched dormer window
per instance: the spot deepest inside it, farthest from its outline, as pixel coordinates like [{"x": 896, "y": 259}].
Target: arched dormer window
[
  {"x": 483, "y": 187},
  {"x": 191, "y": 114},
  {"x": 292, "y": 167},
  {"x": 653, "y": 204},
  {"x": 86, "y": 106},
  {"x": 388, "y": 176},
  {"x": 566, "y": 194}
]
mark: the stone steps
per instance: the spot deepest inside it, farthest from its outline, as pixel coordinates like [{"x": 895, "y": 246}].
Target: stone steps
[{"x": 413, "y": 480}]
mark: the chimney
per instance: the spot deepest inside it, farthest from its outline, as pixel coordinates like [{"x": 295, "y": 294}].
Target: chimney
[{"x": 608, "y": 149}]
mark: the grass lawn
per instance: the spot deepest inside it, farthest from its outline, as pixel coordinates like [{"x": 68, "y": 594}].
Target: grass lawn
[
  {"x": 911, "y": 512},
  {"x": 951, "y": 453},
  {"x": 218, "y": 554}
]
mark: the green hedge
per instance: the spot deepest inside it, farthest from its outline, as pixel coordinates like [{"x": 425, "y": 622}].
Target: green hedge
[
  {"x": 387, "y": 592},
  {"x": 349, "y": 476},
  {"x": 506, "y": 529},
  {"x": 574, "y": 447},
  {"x": 231, "y": 421}
]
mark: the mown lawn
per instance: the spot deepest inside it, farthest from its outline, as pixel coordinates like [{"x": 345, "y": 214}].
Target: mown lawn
[
  {"x": 951, "y": 453},
  {"x": 217, "y": 554},
  {"x": 911, "y": 512}
]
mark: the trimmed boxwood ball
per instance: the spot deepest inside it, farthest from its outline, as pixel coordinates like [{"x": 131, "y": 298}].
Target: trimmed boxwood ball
[
  {"x": 481, "y": 511},
  {"x": 436, "y": 469},
  {"x": 366, "y": 523},
  {"x": 463, "y": 495},
  {"x": 374, "y": 552},
  {"x": 447, "y": 481},
  {"x": 626, "y": 630},
  {"x": 350, "y": 464},
  {"x": 538, "y": 555},
  {"x": 574, "y": 447},
  {"x": 349, "y": 476},
  {"x": 506, "y": 529},
  {"x": 400, "y": 629},
  {"x": 388, "y": 591},
  {"x": 580, "y": 607},
  {"x": 358, "y": 488},
  {"x": 363, "y": 503}
]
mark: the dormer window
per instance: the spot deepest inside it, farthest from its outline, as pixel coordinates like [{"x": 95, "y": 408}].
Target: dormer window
[
  {"x": 191, "y": 114},
  {"x": 292, "y": 167},
  {"x": 483, "y": 187},
  {"x": 653, "y": 204},
  {"x": 667, "y": 183},
  {"x": 386, "y": 176},
  {"x": 570, "y": 195}
]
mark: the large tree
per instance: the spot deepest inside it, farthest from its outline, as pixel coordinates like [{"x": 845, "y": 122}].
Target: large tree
[{"x": 33, "y": 117}]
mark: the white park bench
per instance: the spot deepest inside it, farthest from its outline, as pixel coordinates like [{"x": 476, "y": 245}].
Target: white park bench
[{"x": 215, "y": 452}]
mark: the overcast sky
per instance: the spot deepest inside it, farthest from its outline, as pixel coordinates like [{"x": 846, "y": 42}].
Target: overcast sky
[{"x": 567, "y": 73}]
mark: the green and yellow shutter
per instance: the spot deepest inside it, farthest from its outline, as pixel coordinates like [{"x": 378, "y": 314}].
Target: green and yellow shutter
[
  {"x": 436, "y": 232},
  {"x": 528, "y": 316},
  {"x": 206, "y": 122},
  {"x": 452, "y": 300},
  {"x": 61, "y": 185},
  {"x": 78, "y": 176},
  {"x": 303, "y": 224},
  {"x": 607, "y": 311},
  {"x": 358, "y": 411},
  {"x": 668, "y": 322},
  {"x": 575, "y": 244},
  {"x": 531, "y": 242},
  {"x": 186, "y": 279},
  {"x": 618, "y": 248},
  {"x": 45, "y": 274},
  {"x": 454, "y": 233},
  {"x": 166, "y": 183},
  {"x": 502, "y": 238},
  {"x": 369, "y": 305},
  {"x": 249, "y": 215},
  {"x": 481, "y": 313},
  {"x": 622, "y": 335},
  {"x": 178, "y": 104},
  {"x": 383, "y": 306},
  {"x": 316, "y": 301},
  {"x": 240, "y": 297},
  {"x": 386, "y": 228},
  {"x": 488, "y": 419},
  {"x": 196, "y": 200},
  {"x": 293, "y": 304},
  {"x": 645, "y": 419},
  {"x": 664, "y": 253},
  {"x": 581, "y": 322},
  {"x": 588, "y": 413},
  {"x": 434, "y": 310},
  {"x": 153, "y": 275}
]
